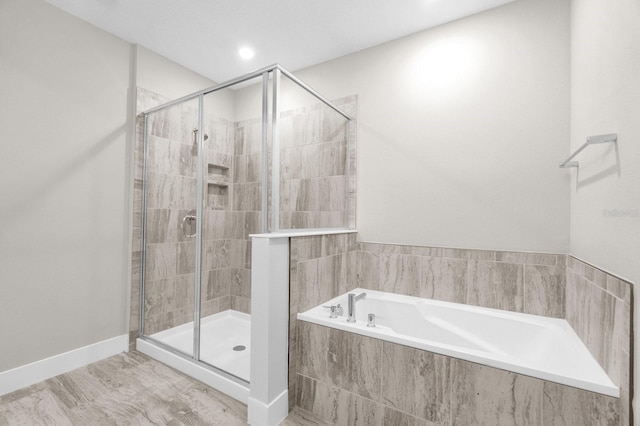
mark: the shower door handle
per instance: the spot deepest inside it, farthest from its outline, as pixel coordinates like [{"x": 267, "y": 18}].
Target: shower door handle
[{"x": 188, "y": 221}]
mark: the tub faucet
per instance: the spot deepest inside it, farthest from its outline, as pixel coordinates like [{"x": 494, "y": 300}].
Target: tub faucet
[{"x": 353, "y": 298}]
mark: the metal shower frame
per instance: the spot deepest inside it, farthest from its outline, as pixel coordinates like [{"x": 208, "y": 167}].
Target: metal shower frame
[{"x": 276, "y": 72}]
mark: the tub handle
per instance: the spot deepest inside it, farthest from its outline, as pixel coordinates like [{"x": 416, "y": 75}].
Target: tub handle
[
  {"x": 371, "y": 320},
  {"x": 335, "y": 310}
]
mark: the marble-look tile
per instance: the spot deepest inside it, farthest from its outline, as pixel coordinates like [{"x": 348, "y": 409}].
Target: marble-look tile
[
  {"x": 309, "y": 247},
  {"x": 398, "y": 418},
  {"x": 125, "y": 389},
  {"x": 378, "y": 248},
  {"x": 619, "y": 288},
  {"x": 186, "y": 257},
  {"x": 241, "y": 283},
  {"x": 335, "y": 244},
  {"x": 214, "y": 306},
  {"x": 313, "y": 346},
  {"x": 300, "y": 127},
  {"x": 299, "y": 417},
  {"x": 246, "y": 196},
  {"x": 336, "y": 406},
  {"x": 333, "y": 159},
  {"x": 254, "y": 167},
  {"x": 188, "y": 160},
  {"x": 238, "y": 250},
  {"x": 496, "y": 285},
  {"x": 626, "y": 408},
  {"x": 567, "y": 406},
  {"x": 368, "y": 270},
  {"x": 544, "y": 290},
  {"x": 527, "y": 258},
  {"x": 239, "y": 169},
  {"x": 241, "y": 304},
  {"x": 485, "y": 255},
  {"x": 252, "y": 224},
  {"x": 184, "y": 290},
  {"x": 156, "y": 323},
  {"x": 161, "y": 226},
  {"x": 426, "y": 251},
  {"x": 216, "y": 254},
  {"x": 216, "y": 283},
  {"x": 160, "y": 261},
  {"x": 333, "y": 194},
  {"x": 400, "y": 274},
  {"x": 332, "y": 274},
  {"x": 159, "y": 296},
  {"x": 170, "y": 192},
  {"x": 487, "y": 396},
  {"x": 319, "y": 280},
  {"x": 591, "y": 312},
  {"x": 164, "y": 156},
  {"x": 41, "y": 408},
  {"x": 444, "y": 279},
  {"x": 354, "y": 363},
  {"x": 334, "y": 126},
  {"x": 416, "y": 382}
]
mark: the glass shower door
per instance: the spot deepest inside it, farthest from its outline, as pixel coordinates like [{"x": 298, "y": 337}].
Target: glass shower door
[
  {"x": 170, "y": 226},
  {"x": 232, "y": 193}
]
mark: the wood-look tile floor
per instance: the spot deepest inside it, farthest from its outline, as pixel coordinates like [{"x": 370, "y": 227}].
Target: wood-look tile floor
[{"x": 126, "y": 389}]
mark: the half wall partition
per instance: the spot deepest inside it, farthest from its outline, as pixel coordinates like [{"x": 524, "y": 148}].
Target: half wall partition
[{"x": 263, "y": 153}]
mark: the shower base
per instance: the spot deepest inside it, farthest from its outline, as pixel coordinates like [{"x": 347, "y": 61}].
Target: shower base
[
  {"x": 224, "y": 341},
  {"x": 220, "y": 334}
]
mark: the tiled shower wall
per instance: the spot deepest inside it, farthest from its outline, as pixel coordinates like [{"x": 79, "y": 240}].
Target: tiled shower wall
[
  {"x": 534, "y": 283},
  {"x": 315, "y": 159},
  {"x": 317, "y": 154},
  {"x": 227, "y": 220}
]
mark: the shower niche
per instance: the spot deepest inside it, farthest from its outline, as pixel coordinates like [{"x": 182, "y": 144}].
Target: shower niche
[{"x": 259, "y": 154}]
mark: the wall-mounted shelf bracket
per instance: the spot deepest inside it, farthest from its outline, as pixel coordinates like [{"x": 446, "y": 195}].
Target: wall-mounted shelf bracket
[{"x": 591, "y": 140}]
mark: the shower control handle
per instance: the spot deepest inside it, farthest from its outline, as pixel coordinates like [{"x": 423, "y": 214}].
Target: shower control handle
[{"x": 191, "y": 218}]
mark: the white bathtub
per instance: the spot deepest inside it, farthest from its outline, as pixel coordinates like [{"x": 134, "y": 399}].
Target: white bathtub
[{"x": 542, "y": 347}]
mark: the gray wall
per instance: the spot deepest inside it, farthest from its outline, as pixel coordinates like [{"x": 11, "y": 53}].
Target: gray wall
[
  {"x": 64, "y": 161},
  {"x": 605, "y": 88}
]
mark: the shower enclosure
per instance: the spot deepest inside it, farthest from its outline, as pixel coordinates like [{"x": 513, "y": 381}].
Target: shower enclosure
[{"x": 263, "y": 153}]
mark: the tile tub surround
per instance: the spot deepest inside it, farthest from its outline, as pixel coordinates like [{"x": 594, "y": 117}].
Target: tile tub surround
[
  {"x": 318, "y": 268},
  {"x": 536, "y": 283},
  {"x": 348, "y": 379}
]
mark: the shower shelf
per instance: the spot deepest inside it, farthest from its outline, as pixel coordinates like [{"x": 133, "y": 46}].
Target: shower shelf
[
  {"x": 218, "y": 175},
  {"x": 218, "y": 183}
]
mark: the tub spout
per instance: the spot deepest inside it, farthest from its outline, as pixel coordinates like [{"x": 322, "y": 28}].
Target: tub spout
[{"x": 353, "y": 298}]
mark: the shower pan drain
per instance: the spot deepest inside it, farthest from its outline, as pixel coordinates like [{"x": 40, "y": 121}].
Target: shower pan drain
[{"x": 239, "y": 348}]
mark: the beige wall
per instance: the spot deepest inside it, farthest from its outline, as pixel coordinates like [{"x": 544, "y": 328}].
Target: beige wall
[
  {"x": 461, "y": 129},
  {"x": 605, "y": 88},
  {"x": 64, "y": 159}
]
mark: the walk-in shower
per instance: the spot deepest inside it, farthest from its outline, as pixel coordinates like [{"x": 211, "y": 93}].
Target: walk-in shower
[{"x": 263, "y": 153}]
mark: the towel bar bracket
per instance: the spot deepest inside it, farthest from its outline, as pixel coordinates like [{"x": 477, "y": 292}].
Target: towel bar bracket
[{"x": 591, "y": 140}]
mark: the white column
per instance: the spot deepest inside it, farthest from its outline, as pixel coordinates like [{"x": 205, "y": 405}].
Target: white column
[{"x": 268, "y": 401}]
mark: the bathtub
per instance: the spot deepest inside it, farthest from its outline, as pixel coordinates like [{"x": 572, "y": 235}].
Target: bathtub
[{"x": 542, "y": 347}]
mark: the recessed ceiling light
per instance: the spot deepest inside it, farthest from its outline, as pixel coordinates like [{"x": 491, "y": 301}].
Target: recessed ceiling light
[{"x": 246, "y": 53}]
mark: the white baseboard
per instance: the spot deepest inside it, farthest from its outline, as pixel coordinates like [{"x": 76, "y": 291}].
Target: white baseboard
[
  {"x": 261, "y": 414},
  {"x": 29, "y": 374}
]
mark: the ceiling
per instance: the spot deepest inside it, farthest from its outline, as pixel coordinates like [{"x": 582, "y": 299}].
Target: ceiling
[{"x": 205, "y": 35}]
